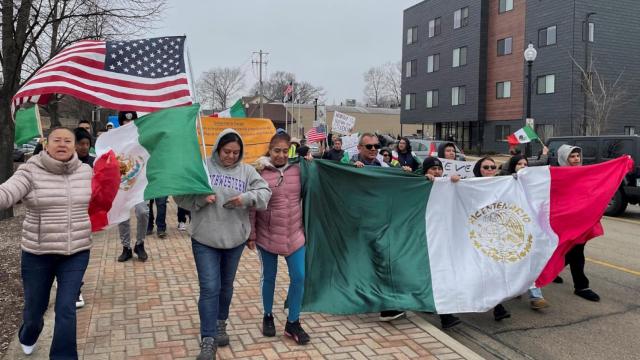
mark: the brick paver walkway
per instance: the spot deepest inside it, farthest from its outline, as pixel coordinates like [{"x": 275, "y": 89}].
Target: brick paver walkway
[{"x": 148, "y": 310}]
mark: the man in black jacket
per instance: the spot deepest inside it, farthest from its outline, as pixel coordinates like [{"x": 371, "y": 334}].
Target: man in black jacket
[{"x": 336, "y": 153}]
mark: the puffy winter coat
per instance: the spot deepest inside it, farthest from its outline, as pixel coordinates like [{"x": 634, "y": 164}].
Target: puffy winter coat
[
  {"x": 279, "y": 229},
  {"x": 56, "y": 195}
]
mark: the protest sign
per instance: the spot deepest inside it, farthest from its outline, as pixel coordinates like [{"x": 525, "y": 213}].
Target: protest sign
[
  {"x": 342, "y": 123},
  {"x": 256, "y": 134},
  {"x": 454, "y": 167},
  {"x": 350, "y": 144}
]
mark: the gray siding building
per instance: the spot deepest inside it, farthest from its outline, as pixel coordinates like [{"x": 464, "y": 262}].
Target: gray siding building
[{"x": 494, "y": 77}]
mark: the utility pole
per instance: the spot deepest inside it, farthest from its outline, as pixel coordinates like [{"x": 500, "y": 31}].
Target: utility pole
[
  {"x": 587, "y": 67},
  {"x": 260, "y": 63}
]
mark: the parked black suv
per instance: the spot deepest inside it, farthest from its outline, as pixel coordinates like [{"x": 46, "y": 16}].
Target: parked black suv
[{"x": 597, "y": 149}]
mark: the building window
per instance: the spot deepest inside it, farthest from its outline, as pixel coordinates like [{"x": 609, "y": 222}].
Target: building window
[
  {"x": 412, "y": 35},
  {"x": 459, "y": 57},
  {"x": 547, "y": 36},
  {"x": 505, "y": 46},
  {"x": 629, "y": 130},
  {"x": 433, "y": 63},
  {"x": 411, "y": 68},
  {"x": 505, "y": 5},
  {"x": 588, "y": 31},
  {"x": 502, "y": 132},
  {"x": 458, "y": 95},
  {"x": 546, "y": 84},
  {"x": 410, "y": 101},
  {"x": 461, "y": 18},
  {"x": 503, "y": 90},
  {"x": 544, "y": 131},
  {"x": 432, "y": 99},
  {"x": 434, "y": 27}
]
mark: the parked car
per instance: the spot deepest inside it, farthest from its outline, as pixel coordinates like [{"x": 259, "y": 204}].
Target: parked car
[
  {"x": 421, "y": 147},
  {"x": 596, "y": 149}
]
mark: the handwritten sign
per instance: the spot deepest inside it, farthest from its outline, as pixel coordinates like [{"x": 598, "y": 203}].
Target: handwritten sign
[
  {"x": 342, "y": 123},
  {"x": 256, "y": 134},
  {"x": 453, "y": 167},
  {"x": 350, "y": 144}
]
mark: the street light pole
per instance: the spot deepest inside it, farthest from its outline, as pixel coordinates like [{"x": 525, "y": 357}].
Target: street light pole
[{"x": 530, "y": 55}]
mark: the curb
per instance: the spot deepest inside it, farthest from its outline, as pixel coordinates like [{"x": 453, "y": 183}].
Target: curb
[{"x": 442, "y": 337}]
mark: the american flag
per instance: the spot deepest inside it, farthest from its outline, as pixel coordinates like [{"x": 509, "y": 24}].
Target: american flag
[
  {"x": 288, "y": 92},
  {"x": 139, "y": 75},
  {"x": 317, "y": 133}
]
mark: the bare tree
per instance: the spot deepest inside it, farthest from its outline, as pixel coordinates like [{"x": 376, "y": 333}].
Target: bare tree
[
  {"x": 374, "y": 80},
  {"x": 32, "y": 31},
  {"x": 392, "y": 80},
  {"x": 217, "y": 86},
  {"x": 603, "y": 96},
  {"x": 303, "y": 91}
]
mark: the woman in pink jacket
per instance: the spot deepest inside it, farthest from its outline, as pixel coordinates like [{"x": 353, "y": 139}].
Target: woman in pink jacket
[
  {"x": 279, "y": 231},
  {"x": 55, "y": 187}
]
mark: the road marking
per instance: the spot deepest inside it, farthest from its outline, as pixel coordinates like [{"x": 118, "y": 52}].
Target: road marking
[
  {"x": 634, "y": 222},
  {"x": 619, "y": 268}
]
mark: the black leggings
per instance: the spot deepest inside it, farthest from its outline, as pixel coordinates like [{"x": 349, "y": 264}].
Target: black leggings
[{"x": 575, "y": 260}]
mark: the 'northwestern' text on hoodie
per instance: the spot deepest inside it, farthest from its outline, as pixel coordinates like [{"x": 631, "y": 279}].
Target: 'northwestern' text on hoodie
[{"x": 212, "y": 224}]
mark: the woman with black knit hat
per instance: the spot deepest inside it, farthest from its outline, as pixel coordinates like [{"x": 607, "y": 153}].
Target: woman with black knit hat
[{"x": 432, "y": 169}]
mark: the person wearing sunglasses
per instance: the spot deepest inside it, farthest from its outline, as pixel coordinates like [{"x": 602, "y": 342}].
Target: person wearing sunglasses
[
  {"x": 486, "y": 167},
  {"x": 278, "y": 231},
  {"x": 368, "y": 147},
  {"x": 387, "y": 158},
  {"x": 515, "y": 164}
]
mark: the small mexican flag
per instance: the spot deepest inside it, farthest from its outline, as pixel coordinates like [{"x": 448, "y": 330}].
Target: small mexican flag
[
  {"x": 235, "y": 111},
  {"x": 158, "y": 155},
  {"x": 28, "y": 125},
  {"x": 522, "y": 136}
]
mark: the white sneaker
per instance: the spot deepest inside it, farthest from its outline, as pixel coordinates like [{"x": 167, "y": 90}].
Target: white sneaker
[
  {"x": 27, "y": 350},
  {"x": 182, "y": 226},
  {"x": 79, "y": 301}
]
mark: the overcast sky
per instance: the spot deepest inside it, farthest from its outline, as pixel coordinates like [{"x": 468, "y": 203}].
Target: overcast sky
[{"x": 330, "y": 43}]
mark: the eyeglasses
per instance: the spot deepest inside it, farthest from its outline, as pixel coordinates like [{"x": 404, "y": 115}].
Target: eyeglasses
[
  {"x": 489, "y": 167},
  {"x": 372, "y": 146}
]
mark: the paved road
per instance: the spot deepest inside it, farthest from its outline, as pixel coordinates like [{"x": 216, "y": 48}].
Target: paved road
[{"x": 573, "y": 328}]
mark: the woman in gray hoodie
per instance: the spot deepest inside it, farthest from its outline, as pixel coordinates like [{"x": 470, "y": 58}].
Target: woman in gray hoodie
[
  {"x": 572, "y": 156},
  {"x": 220, "y": 227}
]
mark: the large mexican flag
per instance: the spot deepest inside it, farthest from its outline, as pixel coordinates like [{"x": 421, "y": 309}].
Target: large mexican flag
[
  {"x": 380, "y": 239},
  {"x": 158, "y": 155}
]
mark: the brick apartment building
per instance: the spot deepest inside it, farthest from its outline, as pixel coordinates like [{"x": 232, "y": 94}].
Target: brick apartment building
[{"x": 465, "y": 75}]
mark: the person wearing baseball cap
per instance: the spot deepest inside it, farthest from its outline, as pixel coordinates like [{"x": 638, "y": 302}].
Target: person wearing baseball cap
[{"x": 141, "y": 210}]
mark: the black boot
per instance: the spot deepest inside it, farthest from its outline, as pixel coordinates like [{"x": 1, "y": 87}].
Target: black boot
[
  {"x": 268, "y": 327},
  {"x": 126, "y": 254},
  {"x": 139, "y": 250},
  {"x": 294, "y": 331},
  {"x": 499, "y": 313},
  {"x": 449, "y": 320}
]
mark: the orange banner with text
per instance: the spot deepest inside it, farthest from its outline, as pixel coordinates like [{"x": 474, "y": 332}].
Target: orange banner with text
[{"x": 255, "y": 133}]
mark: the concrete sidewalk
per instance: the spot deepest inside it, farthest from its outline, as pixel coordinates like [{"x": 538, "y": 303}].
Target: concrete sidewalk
[{"x": 149, "y": 310}]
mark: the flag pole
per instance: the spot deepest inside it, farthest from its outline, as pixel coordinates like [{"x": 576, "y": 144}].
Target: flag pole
[{"x": 195, "y": 97}]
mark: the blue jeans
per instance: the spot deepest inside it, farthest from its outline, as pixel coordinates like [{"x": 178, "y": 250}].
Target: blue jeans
[
  {"x": 535, "y": 293},
  {"x": 216, "y": 272},
  {"x": 161, "y": 217},
  {"x": 38, "y": 272},
  {"x": 295, "y": 263}
]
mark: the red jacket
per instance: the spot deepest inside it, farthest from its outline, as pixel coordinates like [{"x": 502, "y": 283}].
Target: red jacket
[{"x": 279, "y": 228}]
